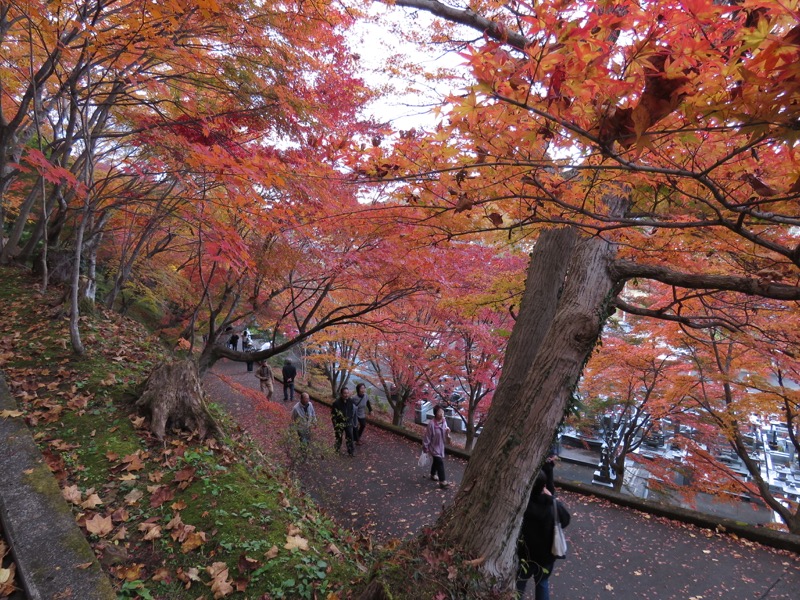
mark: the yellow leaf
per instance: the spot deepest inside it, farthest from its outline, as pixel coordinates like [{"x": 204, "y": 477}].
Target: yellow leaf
[
  {"x": 295, "y": 542},
  {"x": 193, "y": 540},
  {"x": 271, "y": 553},
  {"x": 7, "y": 414},
  {"x": 130, "y": 572}
]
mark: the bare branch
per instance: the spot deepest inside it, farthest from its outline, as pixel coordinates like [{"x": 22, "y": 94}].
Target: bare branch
[{"x": 624, "y": 270}]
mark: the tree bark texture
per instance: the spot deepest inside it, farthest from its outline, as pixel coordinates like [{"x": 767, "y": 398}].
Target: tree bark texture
[
  {"x": 563, "y": 310},
  {"x": 173, "y": 396}
]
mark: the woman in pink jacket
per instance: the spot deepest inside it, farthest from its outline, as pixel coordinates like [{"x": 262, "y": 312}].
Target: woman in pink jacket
[{"x": 436, "y": 435}]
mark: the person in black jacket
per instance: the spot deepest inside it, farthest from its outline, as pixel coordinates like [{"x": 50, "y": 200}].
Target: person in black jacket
[
  {"x": 536, "y": 560},
  {"x": 345, "y": 421},
  {"x": 289, "y": 372}
]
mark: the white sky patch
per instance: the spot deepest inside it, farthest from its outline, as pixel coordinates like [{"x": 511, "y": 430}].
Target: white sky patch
[{"x": 411, "y": 94}]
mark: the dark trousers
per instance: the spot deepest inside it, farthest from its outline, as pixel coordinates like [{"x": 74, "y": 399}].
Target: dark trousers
[
  {"x": 437, "y": 468},
  {"x": 362, "y": 425},
  {"x": 338, "y": 432},
  {"x": 288, "y": 391},
  {"x": 349, "y": 436},
  {"x": 541, "y": 580}
]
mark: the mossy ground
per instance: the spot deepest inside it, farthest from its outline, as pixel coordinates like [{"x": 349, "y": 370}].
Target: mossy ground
[{"x": 178, "y": 519}]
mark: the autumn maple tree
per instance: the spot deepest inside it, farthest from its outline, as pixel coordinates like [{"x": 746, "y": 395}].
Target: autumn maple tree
[
  {"x": 635, "y": 143},
  {"x": 635, "y": 387}
]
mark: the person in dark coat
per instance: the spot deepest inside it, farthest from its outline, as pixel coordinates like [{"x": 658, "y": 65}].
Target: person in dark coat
[
  {"x": 344, "y": 417},
  {"x": 289, "y": 372},
  {"x": 548, "y": 467},
  {"x": 536, "y": 560}
]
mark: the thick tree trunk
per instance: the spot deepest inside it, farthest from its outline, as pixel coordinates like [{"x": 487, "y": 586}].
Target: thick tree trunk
[
  {"x": 618, "y": 467},
  {"x": 398, "y": 413},
  {"x": 173, "y": 397},
  {"x": 564, "y": 307}
]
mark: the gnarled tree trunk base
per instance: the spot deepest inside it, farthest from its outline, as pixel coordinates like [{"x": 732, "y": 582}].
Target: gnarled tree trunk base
[
  {"x": 422, "y": 568},
  {"x": 173, "y": 397}
]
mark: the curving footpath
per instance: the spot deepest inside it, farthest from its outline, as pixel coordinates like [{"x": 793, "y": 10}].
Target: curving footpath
[{"x": 615, "y": 551}]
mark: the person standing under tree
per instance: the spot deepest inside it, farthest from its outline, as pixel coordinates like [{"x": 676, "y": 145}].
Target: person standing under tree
[
  {"x": 265, "y": 379},
  {"x": 345, "y": 421},
  {"x": 233, "y": 341},
  {"x": 436, "y": 435},
  {"x": 338, "y": 418},
  {"x": 362, "y": 407},
  {"x": 536, "y": 560},
  {"x": 289, "y": 372},
  {"x": 303, "y": 419}
]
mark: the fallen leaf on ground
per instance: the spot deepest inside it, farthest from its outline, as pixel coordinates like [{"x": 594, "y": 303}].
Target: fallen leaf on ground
[
  {"x": 296, "y": 542},
  {"x": 91, "y": 502},
  {"x": 7, "y": 580},
  {"x": 133, "y": 462},
  {"x": 161, "y": 495},
  {"x": 193, "y": 540},
  {"x": 129, "y": 572},
  {"x": 99, "y": 525},
  {"x": 72, "y": 494},
  {"x": 133, "y": 496},
  {"x": 9, "y": 414},
  {"x": 152, "y": 531},
  {"x": 188, "y": 576},
  {"x": 272, "y": 553},
  {"x": 121, "y": 534},
  {"x": 220, "y": 584}
]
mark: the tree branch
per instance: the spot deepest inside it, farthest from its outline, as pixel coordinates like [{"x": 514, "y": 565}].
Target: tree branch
[
  {"x": 471, "y": 19},
  {"x": 693, "y": 322},
  {"x": 624, "y": 270}
]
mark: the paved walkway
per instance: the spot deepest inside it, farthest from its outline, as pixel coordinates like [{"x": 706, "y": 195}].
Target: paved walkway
[{"x": 614, "y": 552}]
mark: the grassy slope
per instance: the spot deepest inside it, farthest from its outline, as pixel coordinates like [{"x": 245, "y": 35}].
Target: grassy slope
[{"x": 180, "y": 519}]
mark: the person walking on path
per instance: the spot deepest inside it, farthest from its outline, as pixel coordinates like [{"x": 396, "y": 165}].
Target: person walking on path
[
  {"x": 303, "y": 419},
  {"x": 536, "y": 560},
  {"x": 344, "y": 417},
  {"x": 265, "y": 379},
  {"x": 436, "y": 435},
  {"x": 362, "y": 407},
  {"x": 289, "y": 372},
  {"x": 233, "y": 341}
]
